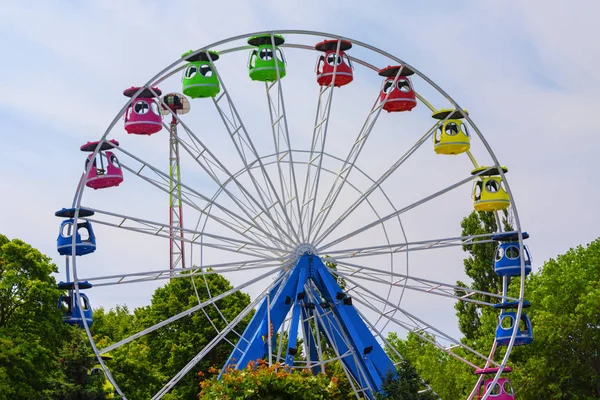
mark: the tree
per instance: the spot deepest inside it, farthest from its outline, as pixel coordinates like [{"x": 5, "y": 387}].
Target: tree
[
  {"x": 258, "y": 381},
  {"x": 136, "y": 373},
  {"x": 405, "y": 384},
  {"x": 76, "y": 359},
  {"x": 563, "y": 362},
  {"x": 447, "y": 376},
  {"x": 479, "y": 266},
  {"x": 31, "y": 327}
]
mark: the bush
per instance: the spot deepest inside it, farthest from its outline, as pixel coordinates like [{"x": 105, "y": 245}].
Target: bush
[{"x": 277, "y": 382}]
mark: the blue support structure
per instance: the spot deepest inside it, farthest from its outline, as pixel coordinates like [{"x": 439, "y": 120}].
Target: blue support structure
[{"x": 338, "y": 322}]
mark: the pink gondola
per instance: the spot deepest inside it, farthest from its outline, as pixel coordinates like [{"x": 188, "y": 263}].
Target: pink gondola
[
  {"x": 143, "y": 117},
  {"x": 327, "y": 63},
  {"x": 106, "y": 170},
  {"x": 401, "y": 95},
  {"x": 502, "y": 390}
]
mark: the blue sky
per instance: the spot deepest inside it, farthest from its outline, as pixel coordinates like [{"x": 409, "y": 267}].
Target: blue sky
[{"x": 526, "y": 71}]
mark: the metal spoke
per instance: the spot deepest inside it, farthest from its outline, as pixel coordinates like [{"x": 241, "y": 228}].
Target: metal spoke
[
  {"x": 204, "y": 157},
  {"x": 417, "y": 284},
  {"x": 187, "y": 194},
  {"x": 317, "y": 147},
  {"x": 405, "y": 209},
  {"x": 280, "y": 129},
  {"x": 349, "y": 163},
  {"x": 242, "y": 142},
  {"x": 188, "y": 272},
  {"x": 247, "y": 204},
  {"x": 379, "y": 181},
  {"x": 216, "y": 340},
  {"x": 421, "y": 324},
  {"x": 192, "y": 310},
  {"x": 156, "y": 228},
  {"x": 391, "y": 248}
]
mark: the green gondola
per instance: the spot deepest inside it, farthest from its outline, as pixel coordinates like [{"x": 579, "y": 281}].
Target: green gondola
[
  {"x": 199, "y": 79},
  {"x": 265, "y": 61}
]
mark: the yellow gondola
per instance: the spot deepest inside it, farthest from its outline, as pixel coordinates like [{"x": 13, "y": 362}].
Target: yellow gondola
[
  {"x": 452, "y": 137},
  {"x": 109, "y": 389},
  {"x": 489, "y": 192}
]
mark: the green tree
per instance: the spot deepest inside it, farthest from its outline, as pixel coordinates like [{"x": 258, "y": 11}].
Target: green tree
[
  {"x": 132, "y": 367},
  {"x": 405, "y": 384},
  {"x": 563, "y": 362},
  {"x": 75, "y": 362},
  {"x": 447, "y": 376},
  {"x": 31, "y": 328}
]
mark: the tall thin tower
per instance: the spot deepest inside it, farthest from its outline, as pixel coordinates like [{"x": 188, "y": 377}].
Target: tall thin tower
[{"x": 179, "y": 104}]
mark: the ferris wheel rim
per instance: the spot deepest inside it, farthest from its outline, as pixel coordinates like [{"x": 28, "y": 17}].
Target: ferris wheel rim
[{"x": 79, "y": 192}]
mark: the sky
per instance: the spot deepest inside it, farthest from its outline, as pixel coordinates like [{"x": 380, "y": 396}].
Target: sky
[{"x": 525, "y": 71}]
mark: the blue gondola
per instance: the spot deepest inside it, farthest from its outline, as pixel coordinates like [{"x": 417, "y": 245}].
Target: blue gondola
[
  {"x": 70, "y": 310},
  {"x": 508, "y": 259},
  {"x": 71, "y": 285},
  {"x": 512, "y": 304},
  {"x": 85, "y": 240},
  {"x": 506, "y": 325}
]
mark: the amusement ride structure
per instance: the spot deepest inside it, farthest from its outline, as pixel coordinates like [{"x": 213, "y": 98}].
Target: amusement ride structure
[{"x": 314, "y": 223}]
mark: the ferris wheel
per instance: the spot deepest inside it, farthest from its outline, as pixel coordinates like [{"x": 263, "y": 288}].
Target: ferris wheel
[{"x": 330, "y": 194}]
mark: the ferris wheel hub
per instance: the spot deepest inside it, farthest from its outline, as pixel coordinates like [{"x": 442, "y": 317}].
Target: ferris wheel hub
[{"x": 305, "y": 248}]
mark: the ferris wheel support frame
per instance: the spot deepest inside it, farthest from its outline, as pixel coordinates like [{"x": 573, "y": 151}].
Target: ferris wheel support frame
[{"x": 369, "y": 365}]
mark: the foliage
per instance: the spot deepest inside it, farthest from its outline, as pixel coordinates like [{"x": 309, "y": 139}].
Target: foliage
[
  {"x": 144, "y": 365},
  {"x": 40, "y": 356},
  {"x": 31, "y": 328},
  {"x": 335, "y": 371},
  {"x": 259, "y": 381},
  {"x": 75, "y": 362},
  {"x": 131, "y": 366},
  {"x": 449, "y": 377},
  {"x": 28, "y": 293},
  {"x": 405, "y": 384},
  {"x": 563, "y": 362}
]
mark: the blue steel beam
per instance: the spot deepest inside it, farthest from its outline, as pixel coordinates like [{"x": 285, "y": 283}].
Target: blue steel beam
[{"x": 298, "y": 300}]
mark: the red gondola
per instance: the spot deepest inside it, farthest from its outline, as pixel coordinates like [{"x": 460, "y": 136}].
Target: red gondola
[
  {"x": 400, "y": 96},
  {"x": 328, "y": 62}
]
